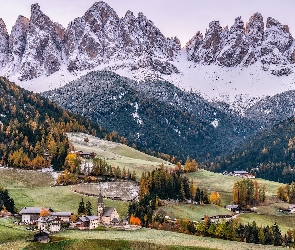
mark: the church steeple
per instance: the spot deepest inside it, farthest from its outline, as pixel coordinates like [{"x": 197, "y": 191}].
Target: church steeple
[{"x": 100, "y": 206}]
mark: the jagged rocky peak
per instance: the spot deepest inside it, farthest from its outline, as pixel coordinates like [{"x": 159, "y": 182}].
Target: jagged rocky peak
[
  {"x": 277, "y": 34},
  {"x": 193, "y": 45},
  {"x": 276, "y": 46},
  {"x": 100, "y": 16},
  {"x": 234, "y": 46},
  {"x": 210, "y": 44},
  {"x": 3, "y": 44},
  {"x": 255, "y": 30},
  {"x": 17, "y": 43},
  {"x": 244, "y": 45},
  {"x": 91, "y": 39},
  {"x": 43, "y": 51},
  {"x": 100, "y": 36}
]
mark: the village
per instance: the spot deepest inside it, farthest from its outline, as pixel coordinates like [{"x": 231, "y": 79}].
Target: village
[{"x": 46, "y": 221}]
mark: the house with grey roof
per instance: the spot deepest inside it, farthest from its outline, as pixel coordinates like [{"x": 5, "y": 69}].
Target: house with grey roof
[
  {"x": 87, "y": 222},
  {"x": 63, "y": 216},
  {"x": 41, "y": 237},
  {"x": 31, "y": 214}
]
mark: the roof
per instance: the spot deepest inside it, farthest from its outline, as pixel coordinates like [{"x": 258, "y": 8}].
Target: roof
[
  {"x": 47, "y": 219},
  {"x": 241, "y": 172},
  {"x": 33, "y": 210},
  {"x": 62, "y": 214},
  {"x": 93, "y": 217},
  {"x": 115, "y": 220},
  {"x": 41, "y": 234},
  {"x": 108, "y": 211},
  {"x": 232, "y": 206},
  {"x": 83, "y": 218},
  {"x": 88, "y": 218}
]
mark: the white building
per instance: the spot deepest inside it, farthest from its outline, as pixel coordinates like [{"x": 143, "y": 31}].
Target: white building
[{"x": 49, "y": 223}]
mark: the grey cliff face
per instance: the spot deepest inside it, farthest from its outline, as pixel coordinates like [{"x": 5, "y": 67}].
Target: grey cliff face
[
  {"x": 3, "y": 44},
  {"x": 43, "y": 51},
  {"x": 40, "y": 47},
  {"x": 244, "y": 44}
]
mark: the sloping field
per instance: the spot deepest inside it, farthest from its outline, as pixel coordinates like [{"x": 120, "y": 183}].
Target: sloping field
[
  {"x": 116, "y": 154},
  {"x": 193, "y": 212},
  {"x": 60, "y": 199},
  {"x": 18, "y": 178},
  {"x": 224, "y": 184}
]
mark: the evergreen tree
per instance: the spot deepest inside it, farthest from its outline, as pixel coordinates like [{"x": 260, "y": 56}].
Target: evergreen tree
[
  {"x": 277, "y": 237},
  {"x": 81, "y": 208},
  {"x": 6, "y": 200},
  {"x": 88, "y": 208}
]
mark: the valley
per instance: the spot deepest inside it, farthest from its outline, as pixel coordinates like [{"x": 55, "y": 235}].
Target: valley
[
  {"x": 108, "y": 118},
  {"x": 39, "y": 191}
]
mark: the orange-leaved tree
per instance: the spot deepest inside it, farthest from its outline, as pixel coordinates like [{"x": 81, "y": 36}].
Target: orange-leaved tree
[
  {"x": 44, "y": 212},
  {"x": 135, "y": 220}
]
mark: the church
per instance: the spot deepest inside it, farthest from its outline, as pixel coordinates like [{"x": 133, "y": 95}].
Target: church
[{"x": 106, "y": 215}]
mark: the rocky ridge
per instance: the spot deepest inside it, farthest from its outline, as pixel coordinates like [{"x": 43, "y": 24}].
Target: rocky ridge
[
  {"x": 38, "y": 46},
  {"x": 245, "y": 44}
]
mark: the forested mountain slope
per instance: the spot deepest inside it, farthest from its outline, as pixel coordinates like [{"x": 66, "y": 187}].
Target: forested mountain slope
[
  {"x": 155, "y": 115},
  {"x": 270, "y": 154},
  {"x": 33, "y": 129}
]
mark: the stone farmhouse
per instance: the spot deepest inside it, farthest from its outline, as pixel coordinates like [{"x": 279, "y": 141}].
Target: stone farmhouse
[{"x": 87, "y": 222}]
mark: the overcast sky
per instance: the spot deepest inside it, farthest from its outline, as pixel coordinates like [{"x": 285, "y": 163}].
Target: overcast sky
[{"x": 181, "y": 18}]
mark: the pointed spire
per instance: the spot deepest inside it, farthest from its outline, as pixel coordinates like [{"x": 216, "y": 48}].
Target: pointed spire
[{"x": 100, "y": 197}]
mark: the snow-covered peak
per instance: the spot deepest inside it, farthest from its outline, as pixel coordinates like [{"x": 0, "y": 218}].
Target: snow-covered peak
[
  {"x": 255, "y": 30},
  {"x": 193, "y": 45},
  {"x": 3, "y": 44},
  {"x": 238, "y": 25},
  {"x": 17, "y": 44}
]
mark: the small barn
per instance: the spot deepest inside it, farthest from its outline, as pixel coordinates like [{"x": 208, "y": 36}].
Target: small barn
[
  {"x": 41, "y": 237},
  {"x": 233, "y": 208}
]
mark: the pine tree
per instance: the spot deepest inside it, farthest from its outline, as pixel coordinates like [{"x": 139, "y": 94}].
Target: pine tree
[
  {"x": 88, "y": 208},
  {"x": 81, "y": 208}
]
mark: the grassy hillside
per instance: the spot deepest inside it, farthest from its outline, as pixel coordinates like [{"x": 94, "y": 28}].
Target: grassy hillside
[
  {"x": 224, "y": 184},
  {"x": 31, "y": 188},
  {"x": 193, "y": 212},
  {"x": 116, "y": 154},
  {"x": 162, "y": 238}
]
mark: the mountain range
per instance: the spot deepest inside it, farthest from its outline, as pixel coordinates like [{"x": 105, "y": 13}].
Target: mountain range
[{"x": 39, "y": 46}]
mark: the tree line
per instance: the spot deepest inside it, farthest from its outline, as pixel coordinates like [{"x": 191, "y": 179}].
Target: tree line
[
  {"x": 163, "y": 184},
  {"x": 228, "y": 230},
  {"x": 287, "y": 193},
  {"x": 100, "y": 169},
  {"x": 247, "y": 192}
]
